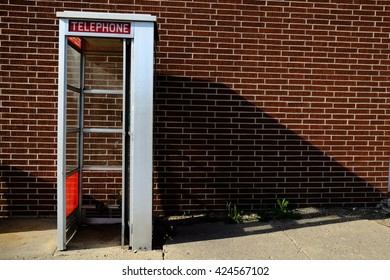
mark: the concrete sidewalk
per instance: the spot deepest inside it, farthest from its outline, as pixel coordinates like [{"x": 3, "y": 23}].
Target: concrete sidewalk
[
  {"x": 325, "y": 238},
  {"x": 318, "y": 238}
]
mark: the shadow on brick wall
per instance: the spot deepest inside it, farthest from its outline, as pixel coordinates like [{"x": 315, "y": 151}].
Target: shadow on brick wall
[
  {"x": 212, "y": 146},
  {"x": 25, "y": 194}
]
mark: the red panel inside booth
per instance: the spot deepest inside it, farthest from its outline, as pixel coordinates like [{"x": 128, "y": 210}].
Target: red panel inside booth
[{"x": 72, "y": 193}]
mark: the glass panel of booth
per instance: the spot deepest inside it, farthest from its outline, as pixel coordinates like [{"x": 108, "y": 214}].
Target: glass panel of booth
[
  {"x": 72, "y": 154},
  {"x": 103, "y": 110},
  {"x": 103, "y": 64},
  {"x": 102, "y": 149},
  {"x": 73, "y": 78},
  {"x": 73, "y": 66},
  {"x": 72, "y": 109}
]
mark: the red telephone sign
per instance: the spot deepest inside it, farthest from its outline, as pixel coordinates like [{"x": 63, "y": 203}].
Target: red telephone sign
[{"x": 104, "y": 27}]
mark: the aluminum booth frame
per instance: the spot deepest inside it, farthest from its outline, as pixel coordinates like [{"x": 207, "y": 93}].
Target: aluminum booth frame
[{"x": 138, "y": 33}]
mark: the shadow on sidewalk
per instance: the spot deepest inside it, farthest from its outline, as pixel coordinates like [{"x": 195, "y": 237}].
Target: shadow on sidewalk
[{"x": 193, "y": 230}]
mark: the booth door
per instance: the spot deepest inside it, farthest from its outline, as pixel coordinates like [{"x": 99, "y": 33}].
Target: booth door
[{"x": 69, "y": 143}]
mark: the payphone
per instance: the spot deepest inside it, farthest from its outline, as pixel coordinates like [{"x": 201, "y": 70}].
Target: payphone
[{"x": 105, "y": 119}]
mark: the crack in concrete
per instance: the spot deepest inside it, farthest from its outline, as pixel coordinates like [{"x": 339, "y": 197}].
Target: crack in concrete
[
  {"x": 296, "y": 244},
  {"x": 163, "y": 253}
]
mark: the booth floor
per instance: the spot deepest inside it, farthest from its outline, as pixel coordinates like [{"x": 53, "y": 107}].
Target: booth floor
[{"x": 329, "y": 237}]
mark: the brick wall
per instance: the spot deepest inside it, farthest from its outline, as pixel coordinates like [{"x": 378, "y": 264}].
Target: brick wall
[
  {"x": 255, "y": 100},
  {"x": 259, "y": 100}
]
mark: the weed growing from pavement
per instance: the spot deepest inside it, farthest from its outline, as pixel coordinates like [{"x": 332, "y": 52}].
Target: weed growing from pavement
[
  {"x": 280, "y": 212},
  {"x": 233, "y": 215}
]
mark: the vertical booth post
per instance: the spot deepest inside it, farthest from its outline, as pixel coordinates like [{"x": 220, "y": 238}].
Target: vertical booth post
[
  {"x": 61, "y": 134},
  {"x": 78, "y": 32},
  {"x": 141, "y": 162}
]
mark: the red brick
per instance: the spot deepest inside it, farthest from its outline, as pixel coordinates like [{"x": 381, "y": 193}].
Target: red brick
[{"x": 240, "y": 87}]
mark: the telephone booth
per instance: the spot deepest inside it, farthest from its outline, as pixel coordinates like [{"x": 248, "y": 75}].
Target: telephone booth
[{"x": 105, "y": 123}]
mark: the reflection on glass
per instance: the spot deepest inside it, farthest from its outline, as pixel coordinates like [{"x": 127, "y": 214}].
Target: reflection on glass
[
  {"x": 73, "y": 67},
  {"x": 71, "y": 151},
  {"x": 103, "y": 110},
  {"x": 72, "y": 109},
  {"x": 104, "y": 71},
  {"x": 104, "y": 149}
]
